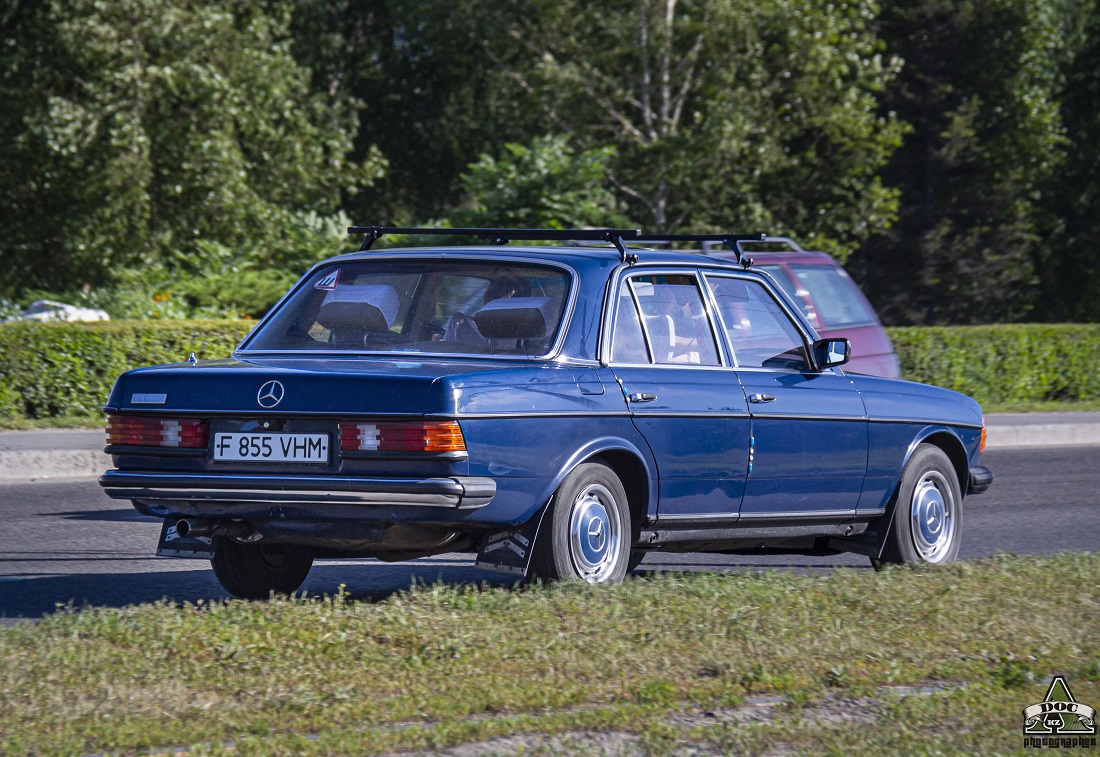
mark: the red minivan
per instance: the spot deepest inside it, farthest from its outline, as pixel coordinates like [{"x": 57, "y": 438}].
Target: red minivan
[{"x": 828, "y": 297}]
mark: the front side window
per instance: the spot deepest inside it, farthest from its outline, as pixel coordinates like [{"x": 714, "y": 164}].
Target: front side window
[
  {"x": 677, "y": 329},
  {"x": 760, "y": 332},
  {"x": 427, "y": 305}
]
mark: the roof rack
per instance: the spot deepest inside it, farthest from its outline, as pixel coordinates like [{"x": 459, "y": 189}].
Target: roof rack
[
  {"x": 732, "y": 241},
  {"x": 792, "y": 245},
  {"x": 503, "y": 236}
]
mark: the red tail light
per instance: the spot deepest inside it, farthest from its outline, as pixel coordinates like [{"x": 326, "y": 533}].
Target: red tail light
[
  {"x": 981, "y": 444},
  {"x": 420, "y": 436},
  {"x": 139, "y": 431}
]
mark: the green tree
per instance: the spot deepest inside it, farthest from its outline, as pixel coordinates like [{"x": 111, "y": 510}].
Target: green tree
[
  {"x": 134, "y": 131},
  {"x": 723, "y": 113},
  {"x": 432, "y": 101},
  {"x": 1070, "y": 270},
  {"x": 980, "y": 89},
  {"x": 545, "y": 185}
]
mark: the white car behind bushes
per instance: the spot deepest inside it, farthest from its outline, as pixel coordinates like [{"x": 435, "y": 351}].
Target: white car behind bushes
[{"x": 50, "y": 310}]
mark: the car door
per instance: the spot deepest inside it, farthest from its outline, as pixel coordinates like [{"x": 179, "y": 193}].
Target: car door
[
  {"x": 809, "y": 427},
  {"x": 682, "y": 394}
]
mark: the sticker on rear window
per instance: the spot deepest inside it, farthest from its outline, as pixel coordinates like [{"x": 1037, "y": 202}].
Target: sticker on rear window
[{"x": 329, "y": 282}]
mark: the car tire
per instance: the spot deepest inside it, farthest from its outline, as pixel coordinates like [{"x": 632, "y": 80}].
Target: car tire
[
  {"x": 254, "y": 571},
  {"x": 928, "y": 518},
  {"x": 586, "y": 534},
  {"x": 636, "y": 558}
]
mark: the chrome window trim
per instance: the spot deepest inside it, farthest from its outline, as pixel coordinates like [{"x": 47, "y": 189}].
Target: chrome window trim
[
  {"x": 676, "y": 366},
  {"x": 559, "y": 341},
  {"x": 622, "y": 277},
  {"x": 807, "y": 335},
  {"x": 641, "y": 322}
]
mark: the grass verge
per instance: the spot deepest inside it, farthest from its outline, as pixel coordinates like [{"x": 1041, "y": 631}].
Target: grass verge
[{"x": 444, "y": 665}]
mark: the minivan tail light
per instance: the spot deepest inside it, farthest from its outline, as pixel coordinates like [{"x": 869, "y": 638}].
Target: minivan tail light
[
  {"x": 419, "y": 436},
  {"x": 143, "y": 431}
]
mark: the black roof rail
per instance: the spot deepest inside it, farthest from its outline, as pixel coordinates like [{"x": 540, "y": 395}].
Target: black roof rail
[
  {"x": 503, "y": 236},
  {"x": 733, "y": 241}
]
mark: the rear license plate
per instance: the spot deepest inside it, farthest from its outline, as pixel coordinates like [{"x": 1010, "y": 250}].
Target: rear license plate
[{"x": 272, "y": 448}]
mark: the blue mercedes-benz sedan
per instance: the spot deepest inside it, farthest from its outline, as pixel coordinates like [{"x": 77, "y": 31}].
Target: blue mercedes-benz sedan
[{"x": 558, "y": 410}]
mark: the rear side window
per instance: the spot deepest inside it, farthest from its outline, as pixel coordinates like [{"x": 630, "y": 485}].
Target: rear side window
[
  {"x": 761, "y": 334},
  {"x": 677, "y": 328},
  {"x": 835, "y": 296},
  {"x": 428, "y": 306},
  {"x": 628, "y": 344}
]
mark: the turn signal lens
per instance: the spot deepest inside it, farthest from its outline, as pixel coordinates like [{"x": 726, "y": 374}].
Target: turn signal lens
[
  {"x": 424, "y": 436},
  {"x": 981, "y": 445},
  {"x": 139, "y": 431}
]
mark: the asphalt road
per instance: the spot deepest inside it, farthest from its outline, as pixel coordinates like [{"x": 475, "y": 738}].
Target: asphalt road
[{"x": 64, "y": 542}]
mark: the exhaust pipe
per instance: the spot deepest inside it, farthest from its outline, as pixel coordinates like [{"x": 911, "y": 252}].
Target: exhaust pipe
[{"x": 196, "y": 527}]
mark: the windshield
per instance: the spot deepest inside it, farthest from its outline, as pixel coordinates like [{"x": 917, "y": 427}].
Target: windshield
[{"x": 423, "y": 305}]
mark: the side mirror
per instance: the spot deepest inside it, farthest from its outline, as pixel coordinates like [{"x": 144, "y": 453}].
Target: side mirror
[{"x": 830, "y": 352}]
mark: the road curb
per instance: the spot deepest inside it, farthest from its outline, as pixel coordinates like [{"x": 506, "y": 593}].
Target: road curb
[
  {"x": 1042, "y": 435},
  {"x": 53, "y": 463}
]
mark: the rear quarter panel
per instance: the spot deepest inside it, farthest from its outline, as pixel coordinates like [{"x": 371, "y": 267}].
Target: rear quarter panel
[{"x": 528, "y": 427}]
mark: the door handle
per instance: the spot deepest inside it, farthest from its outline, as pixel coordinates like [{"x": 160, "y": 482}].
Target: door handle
[
  {"x": 641, "y": 397},
  {"x": 761, "y": 398}
]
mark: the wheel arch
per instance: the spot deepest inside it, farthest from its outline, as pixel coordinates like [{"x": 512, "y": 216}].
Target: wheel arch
[
  {"x": 872, "y": 541},
  {"x": 951, "y": 445},
  {"x": 636, "y": 470},
  {"x": 633, "y": 476}
]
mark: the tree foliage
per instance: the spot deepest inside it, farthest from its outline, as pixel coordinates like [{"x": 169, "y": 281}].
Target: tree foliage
[
  {"x": 979, "y": 88},
  {"x": 721, "y": 113},
  {"x": 135, "y": 130},
  {"x": 1070, "y": 269},
  {"x": 213, "y": 149},
  {"x": 544, "y": 185}
]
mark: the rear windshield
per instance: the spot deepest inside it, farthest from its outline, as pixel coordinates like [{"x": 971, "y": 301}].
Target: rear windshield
[
  {"x": 834, "y": 299},
  {"x": 424, "y": 306}
]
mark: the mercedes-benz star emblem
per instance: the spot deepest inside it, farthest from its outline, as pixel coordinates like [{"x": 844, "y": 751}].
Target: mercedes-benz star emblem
[
  {"x": 595, "y": 533},
  {"x": 270, "y": 394}
]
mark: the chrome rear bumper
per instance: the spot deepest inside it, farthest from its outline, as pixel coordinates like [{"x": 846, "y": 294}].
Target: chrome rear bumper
[{"x": 464, "y": 493}]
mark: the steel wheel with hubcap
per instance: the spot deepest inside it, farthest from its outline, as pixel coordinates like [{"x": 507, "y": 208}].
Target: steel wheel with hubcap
[
  {"x": 928, "y": 519},
  {"x": 586, "y": 534},
  {"x": 253, "y": 571}
]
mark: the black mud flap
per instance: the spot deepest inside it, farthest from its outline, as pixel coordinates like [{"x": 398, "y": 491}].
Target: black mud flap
[
  {"x": 510, "y": 551},
  {"x": 872, "y": 541},
  {"x": 171, "y": 544}
]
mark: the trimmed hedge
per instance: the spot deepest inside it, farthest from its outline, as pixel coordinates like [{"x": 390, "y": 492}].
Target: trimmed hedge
[
  {"x": 1011, "y": 364},
  {"x": 60, "y": 369}
]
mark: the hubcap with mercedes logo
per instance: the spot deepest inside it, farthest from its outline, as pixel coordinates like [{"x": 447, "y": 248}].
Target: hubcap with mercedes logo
[{"x": 595, "y": 533}]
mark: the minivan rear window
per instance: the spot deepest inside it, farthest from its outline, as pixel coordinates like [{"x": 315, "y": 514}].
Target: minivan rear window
[{"x": 835, "y": 296}]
